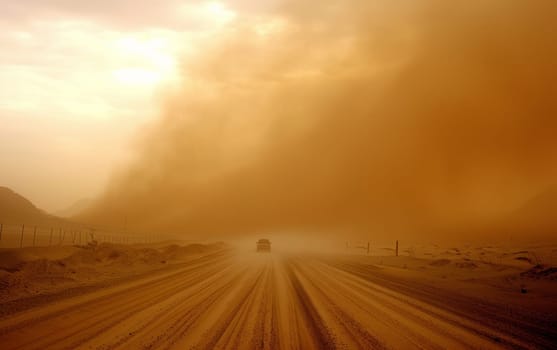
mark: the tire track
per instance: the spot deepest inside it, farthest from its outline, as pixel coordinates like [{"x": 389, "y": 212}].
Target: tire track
[
  {"x": 260, "y": 301},
  {"x": 374, "y": 308},
  {"x": 179, "y": 316},
  {"x": 433, "y": 307},
  {"x": 206, "y": 260},
  {"x": 320, "y": 332},
  {"x": 359, "y": 336},
  {"x": 223, "y": 333},
  {"x": 99, "y": 314}
]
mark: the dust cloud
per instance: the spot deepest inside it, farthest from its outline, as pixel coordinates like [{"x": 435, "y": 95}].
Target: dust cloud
[{"x": 345, "y": 118}]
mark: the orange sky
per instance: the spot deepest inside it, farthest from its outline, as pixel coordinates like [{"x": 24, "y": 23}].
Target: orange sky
[
  {"x": 77, "y": 79},
  {"x": 355, "y": 116},
  {"x": 240, "y": 116}
]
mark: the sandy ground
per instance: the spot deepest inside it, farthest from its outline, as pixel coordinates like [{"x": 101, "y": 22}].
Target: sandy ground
[
  {"x": 229, "y": 299},
  {"x": 28, "y": 275}
]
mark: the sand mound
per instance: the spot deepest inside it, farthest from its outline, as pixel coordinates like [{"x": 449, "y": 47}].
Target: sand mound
[
  {"x": 175, "y": 251},
  {"x": 541, "y": 272},
  {"x": 523, "y": 258},
  {"x": 466, "y": 264},
  {"x": 109, "y": 254},
  {"x": 440, "y": 262},
  {"x": 31, "y": 271}
]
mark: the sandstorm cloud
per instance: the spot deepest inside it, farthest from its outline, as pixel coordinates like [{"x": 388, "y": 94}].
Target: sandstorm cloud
[{"x": 352, "y": 116}]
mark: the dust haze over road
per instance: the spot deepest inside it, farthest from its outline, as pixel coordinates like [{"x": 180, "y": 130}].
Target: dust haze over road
[
  {"x": 405, "y": 118},
  {"x": 246, "y": 300},
  {"x": 318, "y": 124}
]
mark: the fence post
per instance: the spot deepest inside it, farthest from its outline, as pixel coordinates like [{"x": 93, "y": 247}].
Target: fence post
[
  {"x": 34, "y": 235},
  {"x": 60, "y": 236},
  {"x": 397, "y": 248},
  {"x": 367, "y": 248},
  {"x": 50, "y": 241},
  {"x": 21, "y": 241}
]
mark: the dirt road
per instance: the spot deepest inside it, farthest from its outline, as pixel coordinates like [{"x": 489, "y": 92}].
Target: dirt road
[{"x": 270, "y": 301}]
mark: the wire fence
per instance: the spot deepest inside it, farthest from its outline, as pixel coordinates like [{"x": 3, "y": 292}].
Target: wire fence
[
  {"x": 366, "y": 247},
  {"x": 20, "y": 236}
]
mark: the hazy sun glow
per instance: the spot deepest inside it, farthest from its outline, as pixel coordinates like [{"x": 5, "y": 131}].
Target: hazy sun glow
[
  {"x": 219, "y": 12},
  {"x": 147, "y": 62},
  {"x": 134, "y": 76},
  {"x": 75, "y": 82}
]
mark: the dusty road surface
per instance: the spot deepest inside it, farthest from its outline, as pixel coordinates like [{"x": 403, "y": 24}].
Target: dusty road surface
[{"x": 228, "y": 300}]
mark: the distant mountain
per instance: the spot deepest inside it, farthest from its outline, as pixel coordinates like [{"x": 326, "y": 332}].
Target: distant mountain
[
  {"x": 534, "y": 221},
  {"x": 538, "y": 216},
  {"x": 541, "y": 208},
  {"x": 16, "y": 209},
  {"x": 76, "y": 208}
]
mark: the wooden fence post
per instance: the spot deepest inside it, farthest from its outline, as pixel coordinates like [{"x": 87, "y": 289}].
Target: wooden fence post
[
  {"x": 21, "y": 241},
  {"x": 367, "y": 248},
  {"x": 397, "y": 248},
  {"x": 34, "y": 235}
]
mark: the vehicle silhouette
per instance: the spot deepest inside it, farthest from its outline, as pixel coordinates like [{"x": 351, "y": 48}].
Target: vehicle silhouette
[{"x": 263, "y": 245}]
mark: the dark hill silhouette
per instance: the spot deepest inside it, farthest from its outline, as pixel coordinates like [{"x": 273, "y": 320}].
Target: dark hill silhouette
[
  {"x": 16, "y": 209},
  {"x": 538, "y": 216},
  {"x": 541, "y": 208}
]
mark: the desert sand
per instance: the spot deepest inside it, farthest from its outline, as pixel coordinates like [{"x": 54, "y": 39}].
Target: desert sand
[
  {"x": 185, "y": 131},
  {"x": 200, "y": 296}
]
